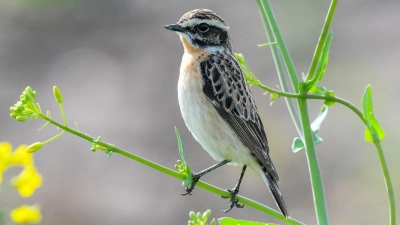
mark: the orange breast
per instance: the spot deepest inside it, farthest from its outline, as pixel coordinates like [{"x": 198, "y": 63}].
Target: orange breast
[{"x": 191, "y": 59}]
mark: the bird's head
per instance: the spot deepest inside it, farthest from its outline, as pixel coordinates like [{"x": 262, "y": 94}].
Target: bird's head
[{"x": 203, "y": 29}]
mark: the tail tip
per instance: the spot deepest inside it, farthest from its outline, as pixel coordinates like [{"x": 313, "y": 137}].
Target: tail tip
[{"x": 284, "y": 212}]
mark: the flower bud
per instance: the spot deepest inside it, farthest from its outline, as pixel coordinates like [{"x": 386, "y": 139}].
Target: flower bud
[
  {"x": 25, "y": 97},
  {"x": 240, "y": 58},
  {"x": 24, "y": 100},
  {"x": 192, "y": 215},
  {"x": 34, "y": 147},
  {"x": 330, "y": 94},
  {"x": 29, "y": 89},
  {"x": 21, "y": 118},
  {"x": 14, "y": 115},
  {"x": 206, "y": 214},
  {"x": 57, "y": 94}
]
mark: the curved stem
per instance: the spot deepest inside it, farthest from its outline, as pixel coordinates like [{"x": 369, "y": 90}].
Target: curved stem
[
  {"x": 53, "y": 138},
  {"x": 173, "y": 173},
  {"x": 63, "y": 114},
  {"x": 320, "y": 97},
  {"x": 388, "y": 182}
]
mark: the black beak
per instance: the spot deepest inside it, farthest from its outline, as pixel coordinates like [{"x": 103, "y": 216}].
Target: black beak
[{"x": 175, "y": 27}]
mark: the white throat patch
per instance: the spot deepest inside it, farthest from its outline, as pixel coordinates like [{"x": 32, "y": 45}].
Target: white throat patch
[{"x": 212, "y": 49}]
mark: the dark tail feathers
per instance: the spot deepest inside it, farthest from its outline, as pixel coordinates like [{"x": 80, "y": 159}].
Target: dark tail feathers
[{"x": 274, "y": 189}]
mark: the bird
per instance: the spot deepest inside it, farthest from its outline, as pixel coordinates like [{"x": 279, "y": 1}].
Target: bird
[{"x": 217, "y": 105}]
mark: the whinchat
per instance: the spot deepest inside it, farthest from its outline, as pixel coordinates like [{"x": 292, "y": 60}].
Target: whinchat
[{"x": 217, "y": 105}]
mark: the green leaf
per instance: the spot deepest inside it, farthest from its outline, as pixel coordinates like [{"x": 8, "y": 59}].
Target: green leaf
[
  {"x": 321, "y": 67},
  {"x": 303, "y": 76},
  {"x": 180, "y": 145},
  {"x": 373, "y": 131},
  {"x": 297, "y": 145},
  {"x": 316, "y": 138},
  {"x": 318, "y": 90},
  {"x": 316, "y": 124},
  {"x": 250, "y": 77},
  {"x": 188, "y": 180},
  {"x": 232, "y": 221},
  {"x": 324, "y": 58},
  {"x": 239, "y": 57}
]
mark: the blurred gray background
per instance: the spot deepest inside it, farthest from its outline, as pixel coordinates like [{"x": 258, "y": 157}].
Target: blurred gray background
[{"x": 117, "y": 68}]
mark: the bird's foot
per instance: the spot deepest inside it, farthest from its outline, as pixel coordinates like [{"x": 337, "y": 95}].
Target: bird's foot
[
  {"x": 233, "y": 201},
  {"x": 189, "y": 189}
]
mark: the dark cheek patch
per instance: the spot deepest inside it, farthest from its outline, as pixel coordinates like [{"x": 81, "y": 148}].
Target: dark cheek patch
[{"x": 213, "y": 37}]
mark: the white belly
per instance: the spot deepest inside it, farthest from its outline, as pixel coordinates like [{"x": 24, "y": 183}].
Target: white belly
[{"x": 213, "y": 133}]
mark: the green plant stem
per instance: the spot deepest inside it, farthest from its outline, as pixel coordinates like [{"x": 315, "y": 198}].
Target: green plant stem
[
  {"x": 279, "y": 69},
  {"x": 273, "y": 26},
  {"x": 63, "y": 114},
  {"x": 319, "y": 97},
  {"x": 53, "y": 138},
  {"x": 378, "y": 146},
  {"x": 388, "y": 182},
  {"x": 321, "y": 41},
  {"x": 173, "y": 173},
  {"x": 267, "y": 44},
  {"x": 315, "y": 174}
]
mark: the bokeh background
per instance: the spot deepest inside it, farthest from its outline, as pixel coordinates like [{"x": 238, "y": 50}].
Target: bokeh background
[{"x": 117, "y": 68}]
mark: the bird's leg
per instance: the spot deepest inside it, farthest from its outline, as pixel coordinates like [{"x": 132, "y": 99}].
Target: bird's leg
[
  {"x": 196, "y": 176},
  {"x": 234, "y": 191}
]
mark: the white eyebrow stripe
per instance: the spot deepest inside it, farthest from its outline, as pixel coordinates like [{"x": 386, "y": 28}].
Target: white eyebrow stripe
[{"x": 215, "y": 23}]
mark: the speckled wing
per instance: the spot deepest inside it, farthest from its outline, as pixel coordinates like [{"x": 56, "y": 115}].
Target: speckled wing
[{"x": 225, "y": 86}]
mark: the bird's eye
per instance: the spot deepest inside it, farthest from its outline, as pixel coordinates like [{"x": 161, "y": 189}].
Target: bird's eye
[{"x": 203, "y": 27}]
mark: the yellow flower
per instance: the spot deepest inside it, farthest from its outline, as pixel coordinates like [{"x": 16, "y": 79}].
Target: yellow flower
[
  {"x": 27, "y": 181},
  {"x": 5, "y": 157},
  {"x": 21, "y": 157},
  {"x": 9, "y": 158},
  {"x": 26, "y": 214}
]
